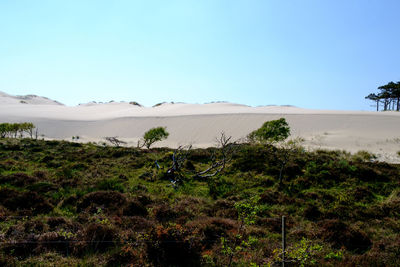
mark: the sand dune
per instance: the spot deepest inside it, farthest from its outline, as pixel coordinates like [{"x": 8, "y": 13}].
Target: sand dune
[{"x": 200, "y": 124}]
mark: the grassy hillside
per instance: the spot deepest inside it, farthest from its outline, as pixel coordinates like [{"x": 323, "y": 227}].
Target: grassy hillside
[{"x": 65, "y": 203}]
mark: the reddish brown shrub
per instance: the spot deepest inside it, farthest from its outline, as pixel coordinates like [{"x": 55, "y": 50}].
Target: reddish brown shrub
[
  {"x": 134, "y": 208},
  {"x": 362, "y": 193},
  {"x": 7, "y": 260},
  {"x": 311, "y": 212},
  {"x": 110, "y": 201},
  {"x": 26, "y": 202},
  {"x": 98, "y": 237},
  {"x": 138, "y": 224},
  {"x": 173, "y": 246},
  {"x": 209, "y": 230},
  {"x": 339, "y": 234},
  {"x": 56, "y": 222},
  {"x": 164, "y": 213},
  {"x": 34, "y": 226},
  {"x": 188, "y": 208},
  {"x": 391, "y": 207},
  {"x": 144, "y": 199},
  {"x": 128, "y": 256},
  {"x": 70, "y": 201},
  {"x": 224, "y": 208},
  {"x": 53, "y": 241},
  {"x": 18, "y": 179},
  {"x": 22, "y": 246},
  {"x": 41, "y": 175},
  {"x": 3, "y": 213}
]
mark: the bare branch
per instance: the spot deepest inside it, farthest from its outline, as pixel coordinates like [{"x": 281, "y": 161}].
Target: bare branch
[
  {"x": 115, "y": 141},
  {"x": 227, "y": 149}
]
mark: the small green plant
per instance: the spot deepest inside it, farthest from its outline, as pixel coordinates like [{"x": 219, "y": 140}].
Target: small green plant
[
  {"x": 338, "y": 255},
  {"x": 66, "y": 234},
  {"x": 100, "y": 218},
  {"x": 302, "y": 253},
  {"x": 247, "y": 213}
]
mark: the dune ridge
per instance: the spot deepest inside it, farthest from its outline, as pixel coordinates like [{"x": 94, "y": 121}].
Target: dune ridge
[{"x": 200, "y": 124}]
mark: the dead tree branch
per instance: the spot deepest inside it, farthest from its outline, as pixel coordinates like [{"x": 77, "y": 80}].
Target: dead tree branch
[
  {"x": 227, "y": 149},
  {"x": 115, "y": 141},
  {"x": 178, "y": 158}
]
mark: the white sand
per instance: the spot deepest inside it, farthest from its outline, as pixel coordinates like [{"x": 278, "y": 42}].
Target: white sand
[{"x": 200, "y": 124}]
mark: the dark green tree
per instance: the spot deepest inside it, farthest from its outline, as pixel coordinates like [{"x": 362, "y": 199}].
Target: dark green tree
[
  {"x": 374, "y": 97},
  {"x": 389, "y": 96}
]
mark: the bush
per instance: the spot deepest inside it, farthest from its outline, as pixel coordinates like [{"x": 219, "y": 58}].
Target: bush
[
  {"x": 173, "y": 246},
  {"x": 271, "y": 131},
  {"x": 99, "y": 237},
  {"x": 339, "y": 234},
  {"x": 164, "y": 213},
  {"x": 26, "y": 202},
  {"x": 153, "y": 135},
  {"x": 110, "y": 200},
  {"x": 135, "y": 208},
  {"x": 209, "y": 230}
]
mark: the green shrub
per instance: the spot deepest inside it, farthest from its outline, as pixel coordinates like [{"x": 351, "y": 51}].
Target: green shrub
[
  {"x": 271, "y": 131},
  {"x": 153, "y": 135}
]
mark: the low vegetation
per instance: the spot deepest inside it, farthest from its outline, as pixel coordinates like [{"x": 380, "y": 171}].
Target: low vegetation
[
  {"x": 65, "y": 203},
  {"x": 68, "y": 203}
]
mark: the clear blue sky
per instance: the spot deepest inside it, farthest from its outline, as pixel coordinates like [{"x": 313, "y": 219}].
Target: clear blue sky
[{"x": 312, "y": 54}]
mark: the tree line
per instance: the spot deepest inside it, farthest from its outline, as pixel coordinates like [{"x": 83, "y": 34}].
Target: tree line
[
  {"x": 388, "y": 96},
  {"x": 14, "y": 130}
]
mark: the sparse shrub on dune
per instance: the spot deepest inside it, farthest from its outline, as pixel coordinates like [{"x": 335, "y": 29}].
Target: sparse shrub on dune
[{"x": 270, "y": 132}]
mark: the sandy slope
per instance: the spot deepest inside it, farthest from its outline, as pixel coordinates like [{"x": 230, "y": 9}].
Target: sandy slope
[{"x": 201, "y": 124}]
